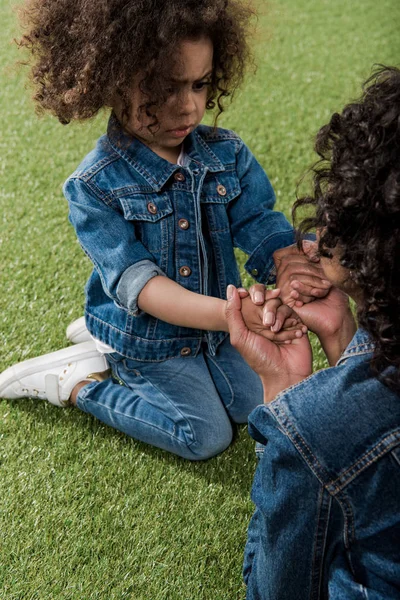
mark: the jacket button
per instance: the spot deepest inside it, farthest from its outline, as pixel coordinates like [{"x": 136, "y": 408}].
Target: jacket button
[
  {"x": 183, "y": 224},
  {"x": 152, "y": 208},
  {"x": 185, "y": 271},
  {"x": 221, "y": 189},
  {"x": 185, "y": 351},
  {"x": 179, "y": 176},
  {"x": 254, "y": 272}
]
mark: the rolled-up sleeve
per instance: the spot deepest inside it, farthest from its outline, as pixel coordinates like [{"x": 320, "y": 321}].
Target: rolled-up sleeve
[{"x": 123, "y": 263}]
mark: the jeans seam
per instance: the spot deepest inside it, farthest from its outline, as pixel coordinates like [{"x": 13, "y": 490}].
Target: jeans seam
[
  {"x": 227, "y": 406},
  {"x": 188, "y": 445}
]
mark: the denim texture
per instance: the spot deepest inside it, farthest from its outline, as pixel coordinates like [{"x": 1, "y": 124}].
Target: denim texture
[
  {"x": 327, "y": 488},
  {"x": 182, "y": 405},
  {"x": 126, "y": 204}
]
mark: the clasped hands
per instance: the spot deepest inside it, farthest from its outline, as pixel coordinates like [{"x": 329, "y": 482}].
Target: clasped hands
[{"x": 267, "y": 331}]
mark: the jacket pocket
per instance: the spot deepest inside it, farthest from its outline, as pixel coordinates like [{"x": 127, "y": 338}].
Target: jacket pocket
[
  {"x": 151, "y": 217},
  {"x": 219, "y": 190}
]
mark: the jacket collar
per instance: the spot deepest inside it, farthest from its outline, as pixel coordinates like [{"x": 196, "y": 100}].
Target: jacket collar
[
  {"x": 360, "y": 344},
  {"x": 156, "y": 170}
]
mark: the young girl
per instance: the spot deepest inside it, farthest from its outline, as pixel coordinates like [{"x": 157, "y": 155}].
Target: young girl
[
  {"x": 158, "y": 207},
  {"x": 327, "y": 487}
]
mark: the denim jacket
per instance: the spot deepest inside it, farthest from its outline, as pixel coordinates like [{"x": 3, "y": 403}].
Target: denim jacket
[
  {"x": 327, "y": 488},
  {"x": 137, "y": 215}
]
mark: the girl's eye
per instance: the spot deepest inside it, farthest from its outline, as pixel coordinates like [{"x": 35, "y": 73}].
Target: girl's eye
[{"x": 200, "y": 85}]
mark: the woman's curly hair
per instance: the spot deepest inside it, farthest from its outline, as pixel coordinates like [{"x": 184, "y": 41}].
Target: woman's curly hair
[
  {"x": 357, "y": 208},
  {"x": 84, "y": 53}
]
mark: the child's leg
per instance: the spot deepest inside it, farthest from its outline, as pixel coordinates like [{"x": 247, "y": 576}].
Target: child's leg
[
  {"x": 239, "y": 387},
  {"x": 173, "y": 405}
]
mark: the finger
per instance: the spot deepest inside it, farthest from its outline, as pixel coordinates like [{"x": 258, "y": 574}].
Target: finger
[
  {"x": 233, "y": 314},
  {"x": 303, "y": 298},
  {"x": 302, "y": 266},
  {"x": 310, "y": 249},
  {"x": 282, "y": 336},
  {"x": 269, "y": 294},
  {"x": 257, "y": 292},
  {"x": 243, "y": 293},
  {"x": 283, "y": 313},
  {"x": 309, "y": 281},
  {"x": 269, "y": 310}
]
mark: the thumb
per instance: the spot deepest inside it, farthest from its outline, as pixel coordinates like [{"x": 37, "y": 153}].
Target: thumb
[{"x": 234, "y": 316}]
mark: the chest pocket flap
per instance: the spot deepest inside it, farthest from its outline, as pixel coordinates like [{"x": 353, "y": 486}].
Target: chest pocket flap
[
  {"x": 146, "y": 207},
  {"x": 220, "y": 188}
]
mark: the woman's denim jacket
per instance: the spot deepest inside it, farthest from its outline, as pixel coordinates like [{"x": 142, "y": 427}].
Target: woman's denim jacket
[
  {"x": 137, "y": 216},
  {"x": 327, "y": 488}
]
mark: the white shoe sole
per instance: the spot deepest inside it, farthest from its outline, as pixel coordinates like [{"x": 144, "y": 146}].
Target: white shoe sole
[
  {"x": 54, "y": 360},
  {"x": 77, "y": 331}
]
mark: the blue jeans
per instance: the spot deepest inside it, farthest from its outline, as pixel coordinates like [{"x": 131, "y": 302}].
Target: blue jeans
[{"x": 183, "y": 405}]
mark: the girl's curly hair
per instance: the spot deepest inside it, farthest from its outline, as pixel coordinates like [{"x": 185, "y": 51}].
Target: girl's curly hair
[
  {"x": 357, "y": 208},
  {"x": 84, "y": 53}
]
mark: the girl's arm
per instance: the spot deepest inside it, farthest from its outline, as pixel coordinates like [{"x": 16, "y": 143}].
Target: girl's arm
[{"x": 165, "y": 299}]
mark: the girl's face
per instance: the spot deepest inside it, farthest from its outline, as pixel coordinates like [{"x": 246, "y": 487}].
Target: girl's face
[{"x": 185, "y": 106}]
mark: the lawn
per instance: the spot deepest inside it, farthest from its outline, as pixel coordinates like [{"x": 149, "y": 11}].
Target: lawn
[{"x": 85, "y": 512}]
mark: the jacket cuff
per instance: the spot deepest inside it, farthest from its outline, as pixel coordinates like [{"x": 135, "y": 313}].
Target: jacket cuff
[
  {"x": 133, "y": 281},
  {"x": 260, "y": 264}
]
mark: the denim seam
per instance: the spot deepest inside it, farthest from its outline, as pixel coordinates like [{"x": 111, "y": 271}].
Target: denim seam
[
  {"x": 84, "y": 401},
  {"x": 99, "y": 166},
  {"x": 361, "y": 352},
  {"x": 316, "y": 467},
  {"x": 176, "y": 339},
  {"x": 319, "y": 544},
  {"x": 383, "y": 447},
  {"x": 227, "y": 406},
  {"x": 168, "y": 402},
  {"x": 299, "y": 443}
]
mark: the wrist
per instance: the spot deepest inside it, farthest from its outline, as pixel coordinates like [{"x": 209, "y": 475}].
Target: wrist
[
  {"x": 222, "y": 316},
  {"x": 273, "y": 388},
  {"x": 336, "y": 342}
]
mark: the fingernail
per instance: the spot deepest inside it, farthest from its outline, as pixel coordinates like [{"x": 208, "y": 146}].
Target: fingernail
[
  {"x": 259, "y": 297},
  {"x": 299, "y": 333},
  {"x": 277, "y": 325},
  {"x": 229, "y": 292},
  {"x": 326, "y": 282},
  {"x": 268, "y": 318}
]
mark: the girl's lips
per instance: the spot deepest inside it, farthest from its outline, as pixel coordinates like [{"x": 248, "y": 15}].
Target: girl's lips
[{"x": 180, "y": 132}]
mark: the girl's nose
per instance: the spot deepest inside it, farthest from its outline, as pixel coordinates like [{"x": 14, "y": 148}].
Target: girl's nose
[{"x": 186, "y": 103}]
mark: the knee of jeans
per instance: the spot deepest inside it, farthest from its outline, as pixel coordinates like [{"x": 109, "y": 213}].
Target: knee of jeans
[{"x": 210, "y": 445}]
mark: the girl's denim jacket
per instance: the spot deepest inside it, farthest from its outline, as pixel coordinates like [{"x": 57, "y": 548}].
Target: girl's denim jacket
[
  {"x": 137, "y": 216},
  {"x": 327, "y": 488}
]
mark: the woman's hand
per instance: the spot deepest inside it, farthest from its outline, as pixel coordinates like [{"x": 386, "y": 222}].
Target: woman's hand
[
  {"x": 273, "y": 320},
  {"x": 304, "y": 268},
  {"x": 278, "y": 365},
  {"x": 333, "y": 322}
]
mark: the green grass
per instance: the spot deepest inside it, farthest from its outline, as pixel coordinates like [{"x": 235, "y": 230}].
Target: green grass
[{"x": 85, "y": 512}]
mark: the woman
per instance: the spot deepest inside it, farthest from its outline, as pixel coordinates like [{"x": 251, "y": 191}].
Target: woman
[{"x": 327, "y": 486}]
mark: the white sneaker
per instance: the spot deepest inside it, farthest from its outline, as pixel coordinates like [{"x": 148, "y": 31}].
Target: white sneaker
[
  {"x": 77, "y": 332},
  {"x": 52, "y": 376}
]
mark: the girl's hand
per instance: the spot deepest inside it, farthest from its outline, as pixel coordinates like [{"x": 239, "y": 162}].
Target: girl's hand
[
  {"x": 302, "y": 268},
  {"x": 274, "y": 320},
  {"x": 278, "y": 365}
]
